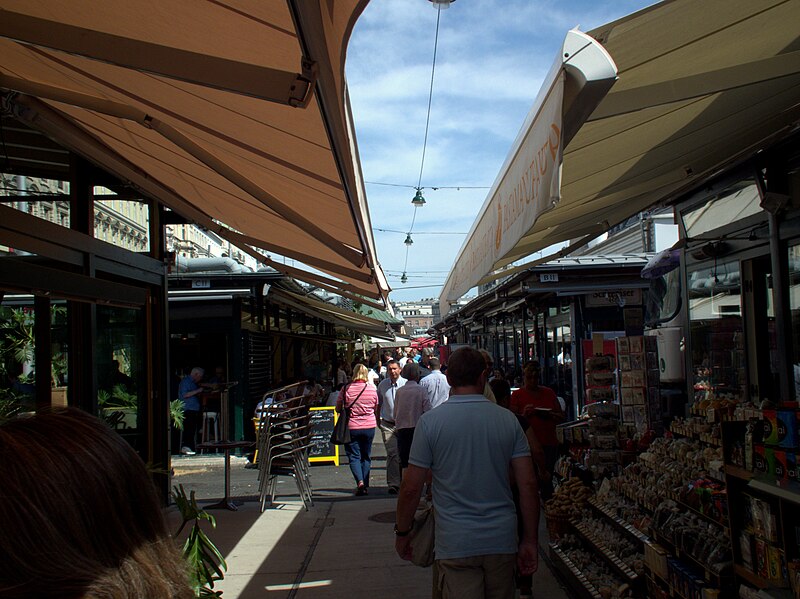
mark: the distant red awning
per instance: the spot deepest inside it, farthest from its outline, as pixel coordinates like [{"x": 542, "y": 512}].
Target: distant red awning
[{"x": 420, "y": 342}]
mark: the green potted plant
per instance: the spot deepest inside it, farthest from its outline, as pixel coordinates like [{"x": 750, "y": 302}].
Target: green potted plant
[{"x": 206, "y": 563}]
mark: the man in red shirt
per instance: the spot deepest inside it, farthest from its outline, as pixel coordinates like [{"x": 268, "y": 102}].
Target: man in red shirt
[{"x": 541, "y": 407}]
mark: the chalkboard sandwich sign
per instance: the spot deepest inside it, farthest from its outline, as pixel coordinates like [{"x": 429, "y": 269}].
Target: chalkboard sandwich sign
[{"x": 321, "y": 449}]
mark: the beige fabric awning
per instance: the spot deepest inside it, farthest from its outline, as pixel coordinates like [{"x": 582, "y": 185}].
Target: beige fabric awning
[
  {"x": 701, "y": 85},
  {"x": 338, "y": 316},
  {"x": 234, "y": 114},
  {"x": 529, "y": 182}
]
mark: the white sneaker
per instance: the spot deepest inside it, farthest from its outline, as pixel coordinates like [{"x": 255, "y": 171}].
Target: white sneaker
[{"x": 186, "y": 451}]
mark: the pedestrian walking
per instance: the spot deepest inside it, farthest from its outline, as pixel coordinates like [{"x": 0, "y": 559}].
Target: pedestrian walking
[
  {"x": 436, "y": 384},
  {"x": 361, "y": 398},
  {"x": 387, "y": 389},
  {"x": 541, "y": 407},
  {"x": 411, "y": 403},
  {"x": 469, "y": 445}
]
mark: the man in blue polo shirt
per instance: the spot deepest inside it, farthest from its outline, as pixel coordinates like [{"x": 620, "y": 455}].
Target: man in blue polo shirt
[{"x": 469, "y": 445}]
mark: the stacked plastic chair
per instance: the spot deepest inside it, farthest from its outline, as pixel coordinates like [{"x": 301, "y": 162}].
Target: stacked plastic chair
[{"x": 284, "y": 432}]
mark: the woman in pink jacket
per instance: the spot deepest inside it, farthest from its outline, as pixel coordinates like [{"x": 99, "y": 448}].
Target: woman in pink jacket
[{"x": 361, "y": 398}]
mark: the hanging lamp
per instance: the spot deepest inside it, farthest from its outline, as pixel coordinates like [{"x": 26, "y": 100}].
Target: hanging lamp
[
  {"x": 418, "y": 200},
  {"x": 441, "y": 4},
  {"x": 408, "y": 240},
  {"x": 404, "y": 278}
]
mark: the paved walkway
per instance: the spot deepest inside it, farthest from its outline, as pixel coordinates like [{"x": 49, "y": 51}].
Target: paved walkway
[{"x": 342, "y": 547}]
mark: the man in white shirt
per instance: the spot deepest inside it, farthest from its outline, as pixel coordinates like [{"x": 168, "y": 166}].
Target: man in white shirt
[
  {"x": 386, "y": 394},
  {"x": 403, "y": 358},
  {"x": 436, "y": 384},
  {"x": 373, "y": 376}
]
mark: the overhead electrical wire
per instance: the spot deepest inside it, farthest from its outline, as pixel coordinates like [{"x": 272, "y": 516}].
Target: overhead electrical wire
[
  {"x": 420, "y": 232},
  {"x": 424, "y": 143},
  {"x": 433, "y": 187}
]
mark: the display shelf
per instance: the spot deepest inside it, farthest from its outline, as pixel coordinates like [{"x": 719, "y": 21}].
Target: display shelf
[
  {"x": 738, "y": 472},
  {"x": 702, "y": 437},
  {"x": 750, "y": 577},
  {"x": 673, "y": 592},
  {"x": 772, "y": 543},
  {"x": 708, "y": 574},
  {"x": 636, "y": 499},
  {"x": 786, "y": 490},
  {"x": 572, "y": 575},
  {"x": 619, "y": 522},
  {"x": 703, "y": 516},
  {"x": 599, "y": 547}
]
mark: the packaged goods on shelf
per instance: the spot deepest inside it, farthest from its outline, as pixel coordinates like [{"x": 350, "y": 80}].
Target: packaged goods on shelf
[
  {"x": 656, "y": 559},
  {"x": 599, "y": 394},
  {"x": 602, "y": 410},
  {"x": 604, "y": 535},
  {"x": 600, "y": 379},
  {"x": 599, "y": 577},
  {"x": 599, "y": 363},
  {"x": 705, "y": 543}
]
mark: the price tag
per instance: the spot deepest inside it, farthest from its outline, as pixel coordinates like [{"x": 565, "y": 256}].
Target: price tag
[{"x": 711, "y": 415}]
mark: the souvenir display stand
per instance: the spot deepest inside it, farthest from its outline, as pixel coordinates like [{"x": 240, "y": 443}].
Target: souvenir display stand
[{"x": 709, "y": 510}]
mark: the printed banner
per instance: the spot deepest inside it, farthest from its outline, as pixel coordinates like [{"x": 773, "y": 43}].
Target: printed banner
[{"x": 529, "y": 185}]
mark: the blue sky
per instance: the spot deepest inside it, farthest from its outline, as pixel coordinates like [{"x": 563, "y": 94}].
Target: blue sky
[{"x": 490, "y": 61}]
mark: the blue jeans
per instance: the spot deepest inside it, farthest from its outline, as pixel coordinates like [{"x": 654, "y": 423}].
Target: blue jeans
[{"x": 359, "y": 451}]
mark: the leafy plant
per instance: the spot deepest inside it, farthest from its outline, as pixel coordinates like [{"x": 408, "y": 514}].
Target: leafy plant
[
  {"x": 119, "y": 397},
  {"x": 16, "y": 340},
  {"x": 206, "y": 564},
  {"x": 10, "y": 405},
  {"x": 176, "y": 413}
]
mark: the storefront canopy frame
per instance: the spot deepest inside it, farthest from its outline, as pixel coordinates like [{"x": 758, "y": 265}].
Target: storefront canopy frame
[{"x": 330, "y": 313}]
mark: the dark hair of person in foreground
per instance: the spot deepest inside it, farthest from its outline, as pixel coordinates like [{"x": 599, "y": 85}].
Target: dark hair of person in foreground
[{"x": 79, "y": 515}]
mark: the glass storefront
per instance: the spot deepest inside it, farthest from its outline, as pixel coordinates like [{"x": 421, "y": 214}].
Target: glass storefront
[
  {"x": 18, "y": 353},
  {"x": 718, "y": 361},
  {"x": 17, "y": 350},
  {"x": 794, "y": 307},
  {"x": 120, "y": 367}
]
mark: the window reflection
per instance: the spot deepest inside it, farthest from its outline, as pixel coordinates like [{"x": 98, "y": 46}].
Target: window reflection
[
  {"x": 18, "y": 353},
  {"x": 733, "y": 204},
  {"x": 119, "y": 360},
  {"x": 794, "y": 307},
  {"x": 17, "y": 350},
  {"x": 716, "y": 328}
]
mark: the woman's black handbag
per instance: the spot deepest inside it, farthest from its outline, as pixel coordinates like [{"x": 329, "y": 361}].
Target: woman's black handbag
[{"x": 341, "y": 430}]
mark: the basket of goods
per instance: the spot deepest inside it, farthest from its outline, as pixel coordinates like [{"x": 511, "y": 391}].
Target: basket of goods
[
  {"x": 567, "y": 502},
  {"x": 557, "y": 526}
]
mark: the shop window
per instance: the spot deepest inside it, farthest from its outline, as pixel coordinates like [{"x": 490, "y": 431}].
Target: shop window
[
  {"x": 17, "y": 350},
  {"x": 794, "y": 307},
  {"x": 732, "y": 204},
  {"x": 663, "y": 298},
  {"x": 18, "y": 353},
  {"x": 717, "y": 335},
  {"x": 119, "y": 363}
]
